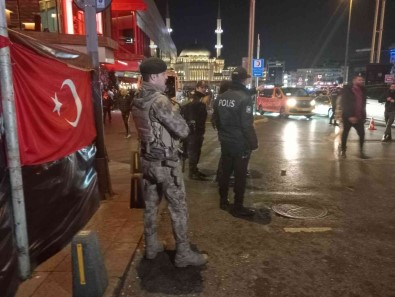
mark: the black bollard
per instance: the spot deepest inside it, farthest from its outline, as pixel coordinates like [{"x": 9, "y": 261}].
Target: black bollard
[{"x": 89, "y": 273}]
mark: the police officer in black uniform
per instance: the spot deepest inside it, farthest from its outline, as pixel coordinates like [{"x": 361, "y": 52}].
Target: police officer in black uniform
[
  {"x": 233, "y": 117},
  {"x": 195, "y": 114}
]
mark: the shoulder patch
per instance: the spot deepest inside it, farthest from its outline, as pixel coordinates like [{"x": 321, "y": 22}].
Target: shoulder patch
[{"x": 248, "y": 109}]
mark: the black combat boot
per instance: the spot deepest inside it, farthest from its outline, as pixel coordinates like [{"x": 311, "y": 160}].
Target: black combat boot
[
  {"x": 239, "y": 210},
  {"x": 224, "y": 203},
  {"x": 200, "y": 173},
  {"x": 194, "y": 173},
  {"x": 386, "y": 138}
]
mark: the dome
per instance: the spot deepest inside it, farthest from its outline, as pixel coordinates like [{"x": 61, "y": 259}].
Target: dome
[{"x": 195, "y": 50}]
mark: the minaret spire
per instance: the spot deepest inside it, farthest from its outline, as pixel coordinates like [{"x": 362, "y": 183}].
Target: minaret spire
[
  {"x": 168, "y": 18},
  {"x": 219, "y": 31}
]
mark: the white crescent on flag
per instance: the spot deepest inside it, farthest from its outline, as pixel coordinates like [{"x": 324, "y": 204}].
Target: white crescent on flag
[{"x": 78, "y": 104}]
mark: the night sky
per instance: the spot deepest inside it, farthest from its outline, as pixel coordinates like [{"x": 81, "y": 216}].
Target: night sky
[{"x": 303, "y": 33}]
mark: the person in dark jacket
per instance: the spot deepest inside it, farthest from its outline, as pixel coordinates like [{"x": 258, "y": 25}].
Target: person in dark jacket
[
  {"x": 389, "y": 113},
  {"x": 195, "y": 114},
  {"x": 124, "y": 105},
  {"x": 233, "y": 117},
  {"x": 353, "y": 105},
  {"x": 107, "y": 103}
]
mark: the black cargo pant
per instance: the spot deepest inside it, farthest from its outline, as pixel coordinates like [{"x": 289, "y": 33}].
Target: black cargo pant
[
  {"x": 194, "y": 148},
  {"x": 389, "y": 120},
  {"x": 125, "y": 118},
  {"x": 106, "y": 111},
  {"x": 360, "y": 130},
  {"x": 237, "y": 163}
]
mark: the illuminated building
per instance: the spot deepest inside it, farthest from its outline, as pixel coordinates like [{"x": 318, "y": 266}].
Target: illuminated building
[
  {"x": 128, "y": 30},
  {"x": 195, "y": 63}
]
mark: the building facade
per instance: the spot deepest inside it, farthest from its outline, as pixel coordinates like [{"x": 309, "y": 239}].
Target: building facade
[
  {"x": 275, "y": 72},
  {"x": 128, "y": 30},
  {"x": 195, "y": 63},
  {"x": 315, "y": 77}
]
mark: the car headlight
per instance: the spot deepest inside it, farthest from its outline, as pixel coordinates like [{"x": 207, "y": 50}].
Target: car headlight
[
  {"x": 312, "y": 102},
  {"x": 291, "y": 102}
]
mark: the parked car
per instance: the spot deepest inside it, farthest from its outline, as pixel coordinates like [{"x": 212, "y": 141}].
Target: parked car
[
  {"x": 286, "y": 102},
  {"x": 323, "y": 105},
  {"x": 374, "y": 106}
]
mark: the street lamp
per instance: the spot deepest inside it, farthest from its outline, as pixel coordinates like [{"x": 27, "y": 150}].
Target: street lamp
[
  {"x": 251, "y": 35},
  {"x": 347, "y": 45}
]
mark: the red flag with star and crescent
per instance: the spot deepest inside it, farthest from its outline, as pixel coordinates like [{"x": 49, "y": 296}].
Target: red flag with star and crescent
[{"x": 53, "y": 105}]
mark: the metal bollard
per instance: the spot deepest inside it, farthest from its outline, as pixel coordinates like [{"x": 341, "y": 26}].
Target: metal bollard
[{"x": 89, "y": 273}]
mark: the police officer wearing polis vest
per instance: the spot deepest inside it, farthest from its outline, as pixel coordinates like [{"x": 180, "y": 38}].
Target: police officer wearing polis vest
[
  {"x": 233, "y": 117},
  {"x": 159, "y": 127}
]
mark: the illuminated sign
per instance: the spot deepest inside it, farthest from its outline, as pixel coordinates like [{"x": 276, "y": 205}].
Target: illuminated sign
[
  {"x": 392, "y": 56},
  {"x": 257, "y": 67}
]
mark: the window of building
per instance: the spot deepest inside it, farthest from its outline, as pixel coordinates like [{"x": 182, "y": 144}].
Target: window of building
[
  {"x": 73, "y": 19},
  {"x": 49, "y": 15}
]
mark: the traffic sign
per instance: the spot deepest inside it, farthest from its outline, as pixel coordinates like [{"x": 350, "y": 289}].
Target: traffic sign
[
  {"x": 257, "y": 67},
  {"x": 389, "y": 78}
]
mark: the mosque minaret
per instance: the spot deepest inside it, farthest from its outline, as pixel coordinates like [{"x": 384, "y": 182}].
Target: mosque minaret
[
  {"x": 218, "y": 31},
  {"x": 168, "y": 18}
]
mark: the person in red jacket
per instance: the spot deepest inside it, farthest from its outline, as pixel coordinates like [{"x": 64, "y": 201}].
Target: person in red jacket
[{"x": 353, "y": 104}]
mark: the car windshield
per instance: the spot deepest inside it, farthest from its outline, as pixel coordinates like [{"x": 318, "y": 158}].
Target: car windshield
[{"x": 297, "y": 92}]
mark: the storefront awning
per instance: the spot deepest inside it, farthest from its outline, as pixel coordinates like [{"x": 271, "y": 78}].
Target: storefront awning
[
  {"x": 128, "y": 5},
  {"x": 130, "y": 66}
]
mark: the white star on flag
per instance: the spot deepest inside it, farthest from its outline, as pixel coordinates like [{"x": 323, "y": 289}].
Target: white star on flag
[{"x": 58, "y": 105}]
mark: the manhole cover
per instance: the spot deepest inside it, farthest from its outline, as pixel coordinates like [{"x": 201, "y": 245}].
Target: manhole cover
[{"x": 299, "y": 212}]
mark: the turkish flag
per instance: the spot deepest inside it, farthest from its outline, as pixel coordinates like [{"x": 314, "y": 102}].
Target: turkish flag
[{"x": 53, "y": 105}]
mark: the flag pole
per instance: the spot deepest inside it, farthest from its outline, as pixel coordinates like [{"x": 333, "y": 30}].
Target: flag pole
[
  {"x": 92, "y": 50},
  {"x": 12, "y": 150}
]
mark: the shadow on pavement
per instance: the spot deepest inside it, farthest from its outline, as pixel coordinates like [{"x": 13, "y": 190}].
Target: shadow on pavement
[
  {"x": 161, "y": 276},
  {"x": 262, "y": 216},
  {"x": 255, "y": 174}
]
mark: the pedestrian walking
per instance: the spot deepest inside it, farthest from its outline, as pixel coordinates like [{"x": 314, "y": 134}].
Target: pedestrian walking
[
  {"x": 234, "y": 120},
  {"x": 195, "y": 114},
  {"x": 389, "y": 113},
  {"x": 353, "y": 106},
  {"x": 107, "y": 106},
  {"x": 158, "y": 127},
  {"x": 124, "y": 105}
]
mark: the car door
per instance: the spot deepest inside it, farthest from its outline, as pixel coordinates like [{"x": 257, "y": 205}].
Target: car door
[
  {"x": 264, "y": 100},
  {"x": 278, "y": 100},
  {"x": 374, "y": 108}
]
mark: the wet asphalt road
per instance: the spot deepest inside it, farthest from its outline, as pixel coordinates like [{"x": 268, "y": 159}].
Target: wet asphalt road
[{"x": 348, "y": 252}]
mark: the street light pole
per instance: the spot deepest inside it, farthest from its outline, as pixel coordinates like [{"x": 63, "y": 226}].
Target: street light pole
[
  {"x": 380, "y": 31},
  {"x": 372, "y": 50},
  {"x": 347, "y": 45},
  {"x": 251, "y": 35}
]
